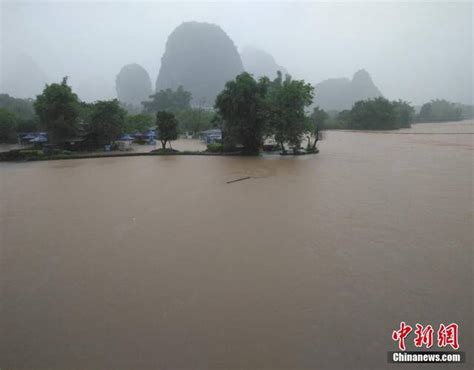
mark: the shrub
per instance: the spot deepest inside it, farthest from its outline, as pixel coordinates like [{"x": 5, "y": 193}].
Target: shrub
[
  {"x": 215, "y": 148},
  {"x": 165, "y": 151},
  {"x": 20, "y": 155}
]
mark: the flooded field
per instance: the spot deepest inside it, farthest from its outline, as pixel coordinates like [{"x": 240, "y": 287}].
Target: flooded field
[{"x": 158, "y": 263}]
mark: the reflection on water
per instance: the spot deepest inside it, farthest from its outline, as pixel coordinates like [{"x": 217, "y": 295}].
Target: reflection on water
[{"x": 157, "y": 262}]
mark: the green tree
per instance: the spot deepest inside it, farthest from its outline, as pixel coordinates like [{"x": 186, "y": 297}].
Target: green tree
[
  {"x": 316, "y": 125},
  {"x": 373, "y": 114},
  {"x": 404, "y": 112},
  {"x": 467, "y": 110},
  {"x": 167, "y": 127},
  {"x": 288, "y": 100},
  {"x": 8, "y": 126},
  {"x": 440, "y": 110},
  {"x": 243, "y": 108},
  {"x": 58, "y": 110},
  {"x": 29, "y": 124},
  {"x": 85, "y": 112},
  {"x": 425, "y": 114},
  {"x": 168, "y": 100},
  {"x": 139, "y": 123},
  {"x": 23, "y": 109},
  {"x": 343, "y": 119},
  {"x": 107, "y": 121},
  {"x": 195, "y": 120}
]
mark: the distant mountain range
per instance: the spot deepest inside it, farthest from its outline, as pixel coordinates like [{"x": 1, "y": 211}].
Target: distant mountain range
[
  {"x": 201, "y": 57},
  {"x": 259, "y": 63},
  {"x": 341, "y": 93},
  {"x": 133, "y": 85},
  {"x": 22, "y": 77}
]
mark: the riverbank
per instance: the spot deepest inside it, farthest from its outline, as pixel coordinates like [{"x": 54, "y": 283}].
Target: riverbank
[{"x": 11, "y": 157}]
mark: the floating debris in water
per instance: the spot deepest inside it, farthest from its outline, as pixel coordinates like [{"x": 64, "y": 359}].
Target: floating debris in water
[{"x": 241, "y": 179}]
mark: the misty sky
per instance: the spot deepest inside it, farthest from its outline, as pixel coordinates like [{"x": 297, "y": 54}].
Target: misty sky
[{"x": 414, "y": 51}]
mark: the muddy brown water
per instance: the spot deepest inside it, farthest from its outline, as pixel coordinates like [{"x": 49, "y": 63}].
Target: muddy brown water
[{"x": 158, "y": 263}]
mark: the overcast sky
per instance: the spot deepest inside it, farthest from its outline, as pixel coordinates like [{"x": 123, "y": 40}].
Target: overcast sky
[{"x": 414, "y": 51}]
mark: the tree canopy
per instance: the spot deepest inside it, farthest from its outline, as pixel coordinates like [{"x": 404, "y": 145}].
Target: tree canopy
[
  {"x": 8, "y": 126},
  {"x": 107, "y": 121},
  {"x": 167, "y": 126},
  {"x": 440, "y": 110},
  {"x": 253, "y": 110},
  {"x": 138, "y": 123},
  {"x": 194, "y": 120},
  {"x": 287, "y": 101},
  {"x": 24, "y": 112},
  {"x": 168, "y": 100},
  {"x": 380, "y": 114},
  {"x": 22, "y": 108},
  {"x": 315, "y": 125},
  {"x": 243, "y": 106},
  {"x": 58, "y": 111}
]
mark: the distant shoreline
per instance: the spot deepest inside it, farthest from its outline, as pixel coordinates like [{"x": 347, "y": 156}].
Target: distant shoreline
[{"x": 394, "y": 132}]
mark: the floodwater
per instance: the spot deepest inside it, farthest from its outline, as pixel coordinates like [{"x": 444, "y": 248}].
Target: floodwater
[{"x": 158, "y": 263}]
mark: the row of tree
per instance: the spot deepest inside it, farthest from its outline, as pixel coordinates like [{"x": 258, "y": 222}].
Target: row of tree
[
  {"x": 441, "y": 110},
  {"x": 16, "y": 115},
  {"x": 59, "y": 111},
  {"x": 381, "y": 114},
  {"x": 252, "y": 110},
  {"x": 64, "y": 117},
  {"x": 190, "y": 119},
  {"x": 248, "y": 111}
]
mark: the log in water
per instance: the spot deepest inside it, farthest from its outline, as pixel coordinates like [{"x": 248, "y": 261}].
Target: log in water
[{"x": 242, "y": 178}]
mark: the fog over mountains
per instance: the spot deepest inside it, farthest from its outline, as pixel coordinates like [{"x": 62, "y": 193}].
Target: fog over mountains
[
  {"x": 427, "y": 56},
  {"x": 201, "y": 57},
  {"x": 133, "y": 85},
  {"x": 341, "y": 93},
  {"x": 260, "y": 63},
  {"x": 21, "y": 76}
]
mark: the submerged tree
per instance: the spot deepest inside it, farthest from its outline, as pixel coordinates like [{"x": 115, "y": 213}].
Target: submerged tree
[
  {"x": 243, "y": 108},
  {"x": 380, "y": 114},
  {"x": 316, "y": 125},
  {"x": 440, "y": 110},
  {"x": 167, "y": 126},
  {"x": 58, "y": 110},
  {"x": 287, "y": 102},
  {"x": 373, "y": 114},
  {"x": 404, "y": 112}
]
